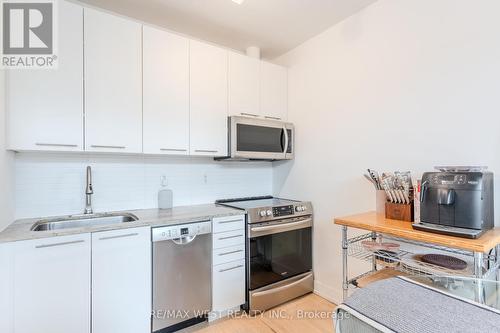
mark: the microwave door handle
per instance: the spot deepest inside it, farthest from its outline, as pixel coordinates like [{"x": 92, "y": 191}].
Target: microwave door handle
[
  {"x": 286, "y": 142},
  {"x": 282, "y": 139}
]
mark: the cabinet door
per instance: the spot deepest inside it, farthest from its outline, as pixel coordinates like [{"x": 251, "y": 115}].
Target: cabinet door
[
  {"x": 113, "y": 83},
  {"x": 46, "y": 106},
  {"x": 121, "y": 281},
  {"x": 51, "y": 285},
  {"x": 274, "y": 91},
  {"x": 6, "y": 287},
  {"x": 244, "y": 85},
  {"x": 228, "y": 286},
  {"x": 166, "y": 92},
  {"x": 208, "y": 100}
]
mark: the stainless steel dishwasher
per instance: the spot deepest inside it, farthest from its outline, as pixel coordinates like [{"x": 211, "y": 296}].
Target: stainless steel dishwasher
[{"x": 182, "y": 275}]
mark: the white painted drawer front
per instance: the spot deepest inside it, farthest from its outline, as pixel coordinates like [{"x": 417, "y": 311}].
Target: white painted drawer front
[
  {"x": 228, "y": 223},
  {"x": 228, "y": 254},
  {"x": 228, "y": 285},
  {"x": 227, "y": 239}
]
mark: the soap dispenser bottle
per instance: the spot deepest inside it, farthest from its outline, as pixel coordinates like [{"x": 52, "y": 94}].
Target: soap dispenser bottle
[{"x": 165, "y": 195}]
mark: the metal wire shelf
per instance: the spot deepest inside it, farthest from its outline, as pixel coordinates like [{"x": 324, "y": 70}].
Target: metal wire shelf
[{"x": 406, "y": 259}]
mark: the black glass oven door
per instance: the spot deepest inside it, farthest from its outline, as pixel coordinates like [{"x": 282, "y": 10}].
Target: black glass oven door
[{"x": 278, "y": 256}]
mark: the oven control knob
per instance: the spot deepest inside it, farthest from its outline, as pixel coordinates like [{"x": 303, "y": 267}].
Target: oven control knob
[
  {"x": 303, "y": 208},
  {"x": 269, "y": 212},
  {"x": 297, "y": 208},
  {"x": 262, "y": 213}
]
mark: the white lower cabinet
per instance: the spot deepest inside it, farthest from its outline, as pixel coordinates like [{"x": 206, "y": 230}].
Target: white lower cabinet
[
  {"x": 121, "y": 281},
  {"x": 6, "y": 288},
  {"x": 99, "y": 283},
  {"x": 228, "y": 254},
  {"x": 228, "y": 285},
  {"x": 50, "y": 284},
  {"x": 228, "y": 259},
  {"x": 228, "y": 223},
  {"x": 230, "y": 238}
]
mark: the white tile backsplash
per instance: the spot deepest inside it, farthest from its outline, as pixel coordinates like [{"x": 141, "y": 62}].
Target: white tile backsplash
[{"x": 54, "y": 184}]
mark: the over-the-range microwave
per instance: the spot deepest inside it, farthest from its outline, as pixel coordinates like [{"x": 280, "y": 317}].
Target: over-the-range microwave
[{"x": 259, "y": 139}]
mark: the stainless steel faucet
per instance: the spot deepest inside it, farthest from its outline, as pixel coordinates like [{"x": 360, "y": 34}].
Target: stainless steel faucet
[{"x": 89, "y": 191}]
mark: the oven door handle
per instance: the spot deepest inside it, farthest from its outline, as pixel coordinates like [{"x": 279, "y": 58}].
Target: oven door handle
[
  {"x": 273, "y": 229},
  {"x": 275, "y": 290}
]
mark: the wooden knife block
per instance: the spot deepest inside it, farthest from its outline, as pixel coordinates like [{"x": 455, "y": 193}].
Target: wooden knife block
[{"x": 396, "y": 211}]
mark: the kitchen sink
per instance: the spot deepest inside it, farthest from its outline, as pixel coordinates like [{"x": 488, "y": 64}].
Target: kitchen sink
[{"x": 80, "y": 221}]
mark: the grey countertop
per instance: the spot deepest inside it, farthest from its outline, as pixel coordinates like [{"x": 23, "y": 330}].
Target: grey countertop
[{"x": 21, "y": 229}]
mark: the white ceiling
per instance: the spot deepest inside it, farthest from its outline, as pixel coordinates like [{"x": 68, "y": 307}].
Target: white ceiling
[{"x": 276, "y": 26}]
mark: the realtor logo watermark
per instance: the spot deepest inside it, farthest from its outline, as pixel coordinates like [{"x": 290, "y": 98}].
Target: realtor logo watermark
[{"x": 29, "y": 34}]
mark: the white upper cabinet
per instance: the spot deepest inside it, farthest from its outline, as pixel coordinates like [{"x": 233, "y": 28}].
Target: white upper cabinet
[
  {"x": 208, "y": 100},
  {"x": 273, "y": 91},
  {"x": 113, "y": 83},
  {"x": 121, "y": 281},
  {"x": 124, "y": 88},
  {"x": 166, "y": 92},
  {"x": 244, "y": 85},
  {"x": 45, "y": 107},
  {"x": 51, "y": 285}
]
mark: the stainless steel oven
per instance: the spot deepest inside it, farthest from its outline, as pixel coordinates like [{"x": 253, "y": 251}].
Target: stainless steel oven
[
  {"x": 278, "y": 249},
  {"x": 252, "y": 138},
  {"x": 279, "y": 261}
]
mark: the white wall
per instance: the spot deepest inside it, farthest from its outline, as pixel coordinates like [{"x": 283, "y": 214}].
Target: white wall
[
  {"x": 6, "y": 165},
  {"x": 402, "y": 85},
  {"x": 52, "y": 184}
]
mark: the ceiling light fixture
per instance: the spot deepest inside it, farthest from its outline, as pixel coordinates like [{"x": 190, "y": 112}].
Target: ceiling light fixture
[{"x": 239, "y": 2}]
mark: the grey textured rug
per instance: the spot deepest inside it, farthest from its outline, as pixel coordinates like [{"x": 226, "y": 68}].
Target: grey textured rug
[{"x": 404, "y": 306}]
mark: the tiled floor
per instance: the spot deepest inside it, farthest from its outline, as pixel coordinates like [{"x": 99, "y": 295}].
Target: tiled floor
[{"x": 310, "y": 313}]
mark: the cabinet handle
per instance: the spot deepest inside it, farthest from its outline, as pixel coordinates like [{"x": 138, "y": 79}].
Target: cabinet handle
[
  {"x": 172, "y": 149},
  {"x": 119, "y": 236},
  {"x": 230, "y": 252},
  {"x": 58, "y": 244},
  {"x": 249, "y": 114},
  {"x": 111, "y": 147},
  {"x": 272, "y": 118},
  {"x": 55, "y": 144},
  {"x": 230, "y": 269},
  {"x": 205, "y": 151},
  {"x": 229, "y": 221},
  {"x": 229, "y": 237}
]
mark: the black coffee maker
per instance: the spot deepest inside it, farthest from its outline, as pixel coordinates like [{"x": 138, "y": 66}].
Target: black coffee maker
[{"x": 458, "y": 203}]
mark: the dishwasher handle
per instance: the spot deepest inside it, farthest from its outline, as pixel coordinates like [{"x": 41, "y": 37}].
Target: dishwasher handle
[{"x": 184, "y": 240}]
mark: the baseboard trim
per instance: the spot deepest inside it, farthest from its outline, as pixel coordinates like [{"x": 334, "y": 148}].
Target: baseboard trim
[{"x": 334, "y": 295}]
